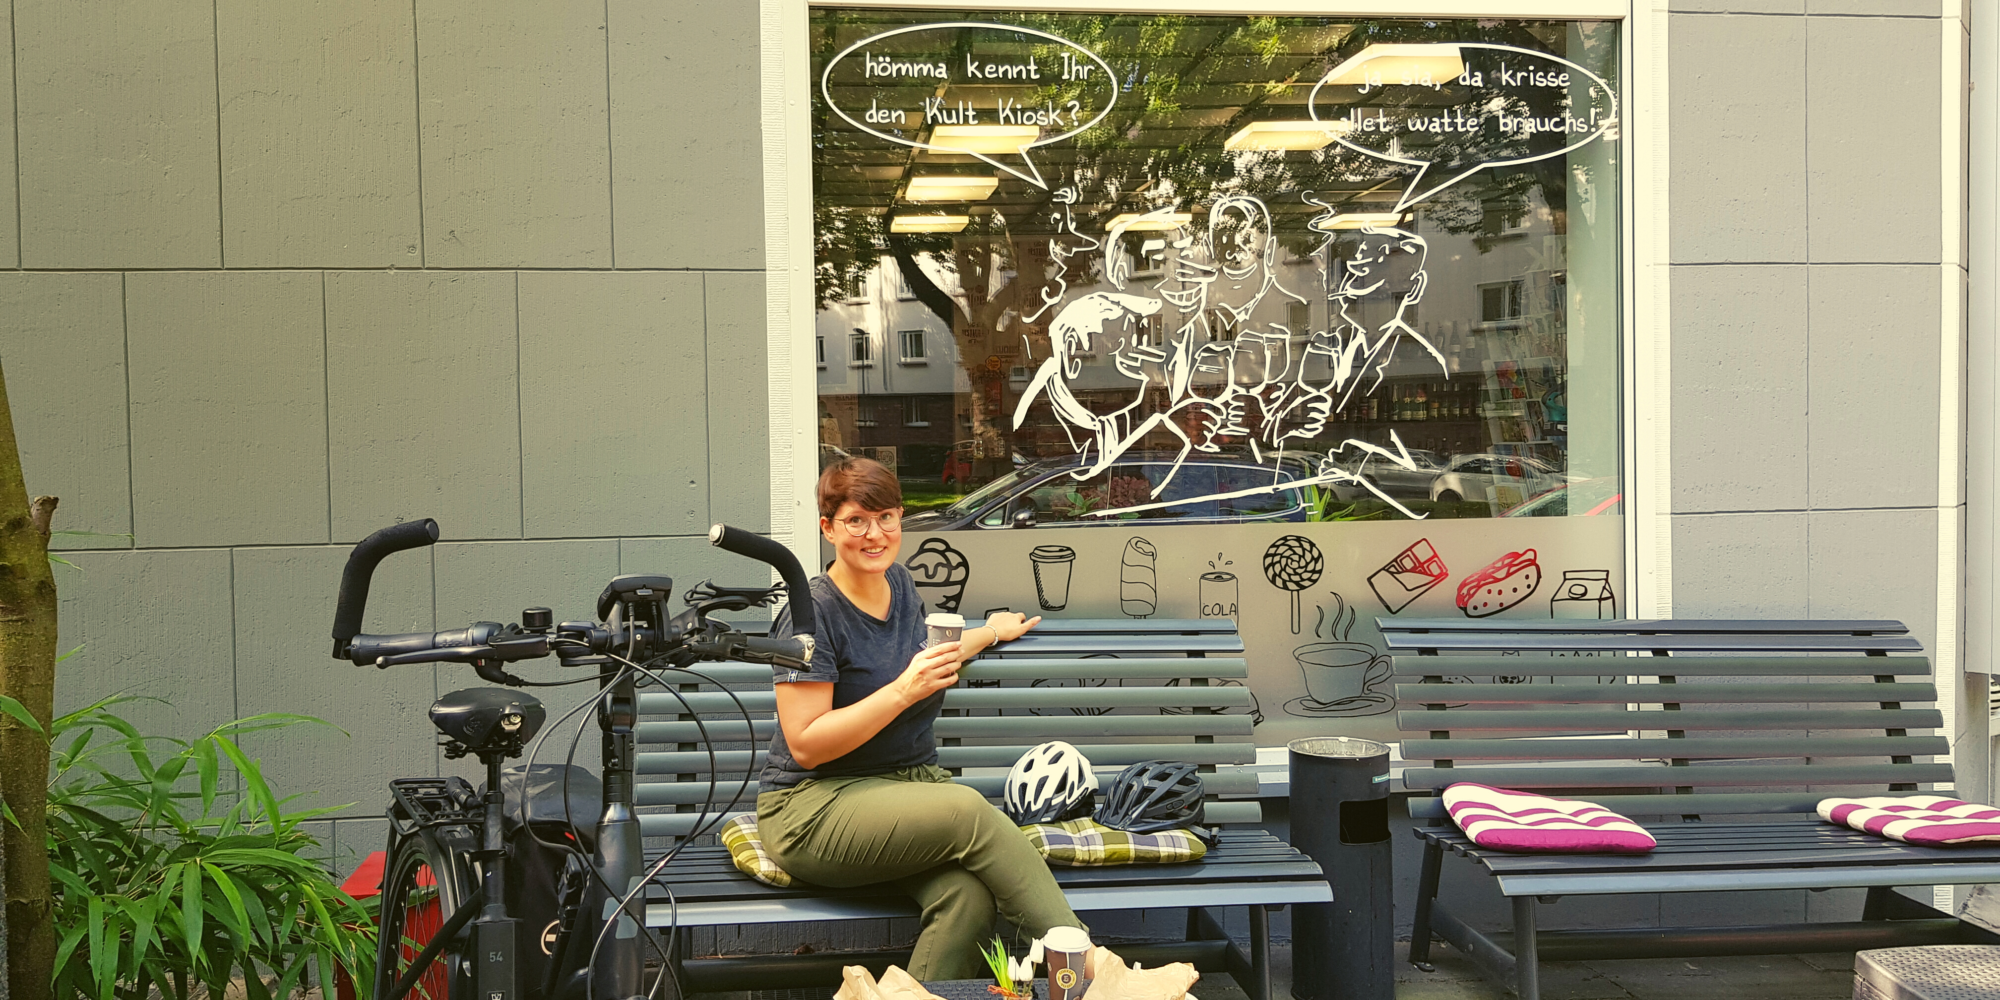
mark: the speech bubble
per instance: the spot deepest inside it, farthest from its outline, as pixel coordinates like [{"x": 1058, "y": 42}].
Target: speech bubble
[
  {"x": 1454, "y": 109},
  {"x": 993, "y": 91}
]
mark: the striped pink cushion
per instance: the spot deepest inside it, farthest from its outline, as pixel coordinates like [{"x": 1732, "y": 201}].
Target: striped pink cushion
[
  {"x": 1522, "y": 821},
  {"x": 1924, "y": 820}
]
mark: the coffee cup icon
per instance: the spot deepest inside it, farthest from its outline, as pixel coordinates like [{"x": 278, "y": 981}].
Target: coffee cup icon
[{"x": 1341, "y": 679}]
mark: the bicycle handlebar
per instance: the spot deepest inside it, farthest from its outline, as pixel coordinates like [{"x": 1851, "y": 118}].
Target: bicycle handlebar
[
  {"x": 798, "y": 592},
  {"x": 360, "y": 570}
]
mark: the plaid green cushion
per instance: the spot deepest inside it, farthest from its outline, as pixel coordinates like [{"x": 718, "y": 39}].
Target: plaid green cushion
[
  {"x": 746, "y": 849},
  {"x": 1085, "y": 842}
]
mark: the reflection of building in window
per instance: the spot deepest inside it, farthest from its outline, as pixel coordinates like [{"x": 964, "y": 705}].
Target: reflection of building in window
[
  {"x": 819, "y": 350},
  {"x": 856, "y": 288},
  {"x": 1150, "y": 331},
  {"x": 1298, "y": 317},
  {"x": 913, "y": 412},
  {"x": 1504, "y": 218},
  {"x": 861, "y": 352},
  {"x": 864, "y": 415},
  {"x": 1221, "y": 326},
  {"x": 1499, "y": 301},
  {"x": 913, "y": 346},
  {"x": 903, "y": 290}
]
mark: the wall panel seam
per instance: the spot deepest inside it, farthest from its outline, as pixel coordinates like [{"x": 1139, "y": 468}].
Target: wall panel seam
[
  {"x": 417, "y": 94},
  {"x": 221, "y": 228},
  {"x": 14, "y": 68},
  {"x": 131, "y": 477},
  {"x": 326, "y": 390}
]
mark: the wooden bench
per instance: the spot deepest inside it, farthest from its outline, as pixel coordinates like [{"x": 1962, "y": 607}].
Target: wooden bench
[
  {"x": 1122, "y": 690},
  {"x": 1749, "y": 722}
]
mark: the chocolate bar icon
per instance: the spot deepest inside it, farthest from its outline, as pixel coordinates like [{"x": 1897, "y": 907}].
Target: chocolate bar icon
[{"x": 1410, "y": 575}]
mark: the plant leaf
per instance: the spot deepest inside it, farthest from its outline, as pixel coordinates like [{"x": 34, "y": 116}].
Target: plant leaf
[{"x": 20, "y": 714}]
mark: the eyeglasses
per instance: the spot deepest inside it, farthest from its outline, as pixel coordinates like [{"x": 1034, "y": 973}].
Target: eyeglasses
[{"x": 890, "y": 523}]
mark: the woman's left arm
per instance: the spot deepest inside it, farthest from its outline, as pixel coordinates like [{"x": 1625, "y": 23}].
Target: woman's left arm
[{"x": 999, "y": 627}]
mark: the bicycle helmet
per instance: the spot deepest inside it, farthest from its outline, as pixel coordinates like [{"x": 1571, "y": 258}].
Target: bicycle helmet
[
  {"x": 1049, "y": 784},
  {"x": 1151, "y": 796}
]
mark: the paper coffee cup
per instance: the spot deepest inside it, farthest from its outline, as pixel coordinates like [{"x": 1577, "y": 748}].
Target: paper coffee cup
[
  {"x": 940, "y": 627},
  {"x": 1064, "y": 950}
]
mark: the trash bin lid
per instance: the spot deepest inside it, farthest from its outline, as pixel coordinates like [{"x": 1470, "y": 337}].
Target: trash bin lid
[{"x": 1337, "y": 746}]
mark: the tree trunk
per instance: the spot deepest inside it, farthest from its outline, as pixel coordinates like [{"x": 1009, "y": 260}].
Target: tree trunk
[{"x": 27, "y": 674}]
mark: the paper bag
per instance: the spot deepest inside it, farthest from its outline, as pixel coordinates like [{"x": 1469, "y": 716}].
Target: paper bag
[
  {"x": 857, "y": 984},
  {"x": 1111, "y": 979}
]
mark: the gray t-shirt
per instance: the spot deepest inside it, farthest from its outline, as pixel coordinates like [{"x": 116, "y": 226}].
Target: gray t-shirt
[{"x": 859, "y": 653}]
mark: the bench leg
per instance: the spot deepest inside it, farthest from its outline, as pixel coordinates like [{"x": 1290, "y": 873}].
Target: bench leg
[
  {"x": 1427, "y": 890},
  {"x": 1526, "y": 971},
  {"x": 1260, "y": 952}
]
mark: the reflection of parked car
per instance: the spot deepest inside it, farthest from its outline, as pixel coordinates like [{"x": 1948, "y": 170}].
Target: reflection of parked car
[
  {"x": 1512, "y": 478},
  {"x": 1583, "y": 498},
  {"x": 1043, "y": 494},
  {"x": 958, "y": 465},
  {"x": 1397, "y": 481}
]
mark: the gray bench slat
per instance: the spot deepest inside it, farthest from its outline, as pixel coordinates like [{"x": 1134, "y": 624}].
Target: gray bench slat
[
  {"x": 1616, "y": 719},
  {"x": 707, "y": 702},
  {"x": 1711, "y": 776},
  {"x": 1119, "y": 754},
  {"x": 1037, "y": 644},
  {"x": 679, "y": 824},
  {"x": 1133, "y": 626},
  {"x": 1232, "y": 782},
  {"x": 1830, "y": 877},
  {"x": 1675, "y": 626},
  {"x": 1701, "y": 804},
  {"x": 723, "y": 673},
  {"x": 1062, "y": 728},
  {"x": 1097, "y": 697},
  {"x": 1082, "y": 899},
  {"x": 1690, "y": 748},
  {"x": 984, "y": 669},
  {"x": 1412, "y": 665},
  {"x": 1684, "y": 694},
  {"x": 720, "y": 730},
  {"x": 1556, "y": 643},
  {"x": 670, "y": 793}
]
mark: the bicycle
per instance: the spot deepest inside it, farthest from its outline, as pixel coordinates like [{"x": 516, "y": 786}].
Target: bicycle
[{"x": 452, "y": 884}]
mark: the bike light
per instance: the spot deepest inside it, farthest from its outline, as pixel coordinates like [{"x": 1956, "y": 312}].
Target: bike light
[{"x": 478, "y": 717}]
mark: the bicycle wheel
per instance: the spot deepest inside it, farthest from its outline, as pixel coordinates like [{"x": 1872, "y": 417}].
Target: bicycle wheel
[{"x": 419, "y": 893}]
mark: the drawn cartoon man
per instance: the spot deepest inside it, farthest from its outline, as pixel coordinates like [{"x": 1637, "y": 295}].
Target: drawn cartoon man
[{"x": 1381, "y": 276}]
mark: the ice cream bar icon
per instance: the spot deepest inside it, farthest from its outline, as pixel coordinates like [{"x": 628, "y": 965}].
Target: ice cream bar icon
[
  {"x": 1139, "y": 579},
  {"x": 1410, "y": 575}
]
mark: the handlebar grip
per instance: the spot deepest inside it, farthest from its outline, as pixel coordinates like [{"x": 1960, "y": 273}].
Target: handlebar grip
[
  {"x": 361, "y": 569},
  {"x": 366, "y": 649},
  {"x": 762, "y": 549}
]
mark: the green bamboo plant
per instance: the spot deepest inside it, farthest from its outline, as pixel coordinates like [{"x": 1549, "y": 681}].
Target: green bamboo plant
[{"x": 177, "y": 867}]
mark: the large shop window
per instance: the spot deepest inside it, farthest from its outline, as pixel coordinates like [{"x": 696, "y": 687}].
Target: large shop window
[{"x": 1297, "y": 321}]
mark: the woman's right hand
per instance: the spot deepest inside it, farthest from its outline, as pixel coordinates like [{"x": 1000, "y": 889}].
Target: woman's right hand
[{"x": 930, "y": 671}]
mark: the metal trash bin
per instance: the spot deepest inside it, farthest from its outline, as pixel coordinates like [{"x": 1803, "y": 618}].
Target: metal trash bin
[{"x": 1344, "y": 950}]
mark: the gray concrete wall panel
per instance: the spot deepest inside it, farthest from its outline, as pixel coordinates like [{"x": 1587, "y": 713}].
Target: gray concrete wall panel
[
  {"x": 156, "y": 625},
  {"x": 739, "y": 399},
  {"x": 424, "y": 402},
  {"x": 117, "y": 133},
  {"x": 1739, "y": 351},
  {"x": 686, "y": 148},
  {"x": 614, "y": 406},
  {"x": 319, "y": 133},
  {"x": 493, "y": 581},
  {"x": 1874, "y": 386},
  {"x": 1737, "y": 7},
  {"x": 1893, "y": 8},
  {"x": 1738, "y": 169},
  {"x": 515, "y": 147},
  {"x": 1854, "y": 174},
  {"x": 1883, "y": 562},
  {"x": 228, "y": 408},
  {"x": 1741, "y": 566},
  {"x": 62, "y": 339},
  {"x": 377, "y": 722}
]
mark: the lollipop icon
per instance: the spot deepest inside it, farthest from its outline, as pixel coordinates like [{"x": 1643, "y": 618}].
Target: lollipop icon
[{"x": 1293, "y": 563}]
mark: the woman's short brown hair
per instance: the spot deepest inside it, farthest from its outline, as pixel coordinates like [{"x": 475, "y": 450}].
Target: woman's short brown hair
[{"x": 862, "y": 480}]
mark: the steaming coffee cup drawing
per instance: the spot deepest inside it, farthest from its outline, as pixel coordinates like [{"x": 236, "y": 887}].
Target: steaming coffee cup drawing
[{"x": 1342, "y": 679}]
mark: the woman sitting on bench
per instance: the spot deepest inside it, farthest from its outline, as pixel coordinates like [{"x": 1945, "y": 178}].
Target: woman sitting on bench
[{"x": 852, "y": 794}]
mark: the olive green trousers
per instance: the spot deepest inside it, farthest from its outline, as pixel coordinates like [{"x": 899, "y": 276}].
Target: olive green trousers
[{"x": 939, "y": 842}]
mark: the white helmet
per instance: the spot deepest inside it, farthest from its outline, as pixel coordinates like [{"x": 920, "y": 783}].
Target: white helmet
[{"x": 1049, "y": 784}]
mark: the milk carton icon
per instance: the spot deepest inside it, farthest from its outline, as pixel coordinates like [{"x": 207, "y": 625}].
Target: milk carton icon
[{"x": 1584, "y": 593}]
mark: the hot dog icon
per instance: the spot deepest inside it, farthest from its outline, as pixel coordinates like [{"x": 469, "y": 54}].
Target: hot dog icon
[{"x": 1507, "y": 581}]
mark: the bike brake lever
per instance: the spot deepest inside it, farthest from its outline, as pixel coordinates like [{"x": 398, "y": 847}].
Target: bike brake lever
[{"x": 449, "y": 654}]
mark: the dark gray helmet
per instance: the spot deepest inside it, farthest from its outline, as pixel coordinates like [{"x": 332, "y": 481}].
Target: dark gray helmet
[{"x": 1151, "y": 796}]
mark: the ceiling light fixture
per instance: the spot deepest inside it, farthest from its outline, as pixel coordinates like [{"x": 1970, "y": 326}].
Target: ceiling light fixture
[
  {"x": 1149, "y": 222},
  {"x": 928, "y": 223},
  {"x": 950, "y": 187},
  {"x": 1393, "y": 63},
  {"x": 1286, "y": 135},
  {"x": 1357, "y": 220},
  {"x": 983, "y": 138}
]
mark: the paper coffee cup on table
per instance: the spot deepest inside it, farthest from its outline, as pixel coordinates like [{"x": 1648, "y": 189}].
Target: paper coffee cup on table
[
  {"x": 1064, "y": 950},
  {"x": 941, "y": 626}
]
